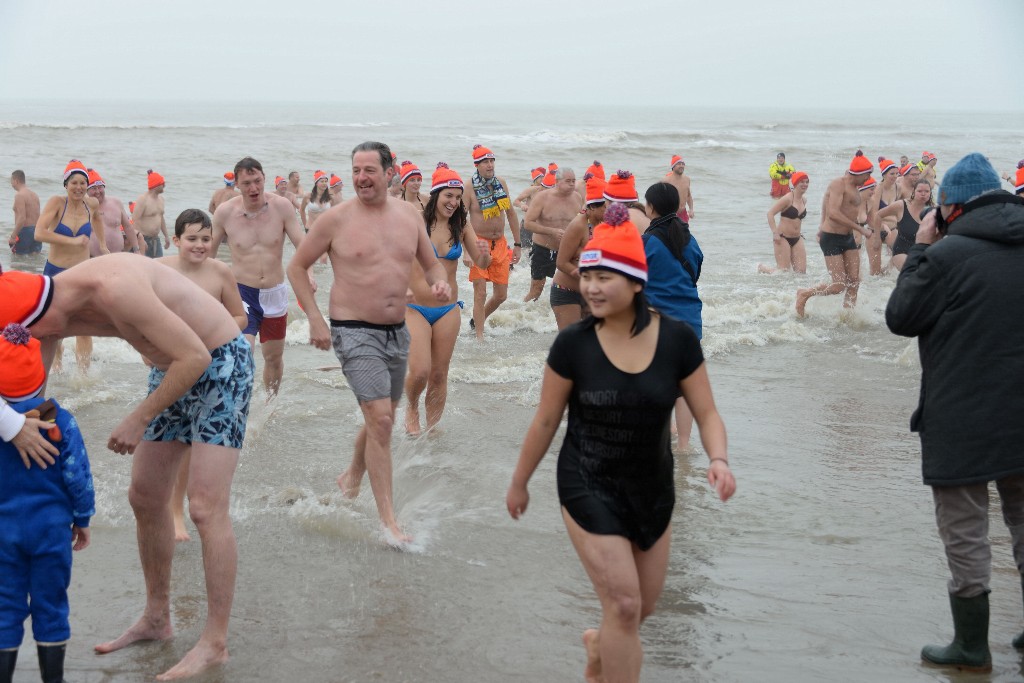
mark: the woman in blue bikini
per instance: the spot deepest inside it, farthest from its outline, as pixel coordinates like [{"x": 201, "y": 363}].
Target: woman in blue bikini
[
  {"x": 66, "y": 225},
  {"x": 432, "y": 328}
]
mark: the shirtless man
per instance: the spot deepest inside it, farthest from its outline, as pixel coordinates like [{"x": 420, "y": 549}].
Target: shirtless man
[
  {"x": 489, "y": 208},
  {"x": 547, "y": 218},
  {"x": 281, "y": 190},
  {"x": 197, "y": 353},
  {"x": 676, "y": 178},
  {"x": 840, "y": 219},
  {"x": 371, "y": 241},
  {"x": 26, "y": 215},
  {"x": 255, "y": 225},
  {"x": 905, "y": 184},
  {"x": 118, "y": 232},
  {"x": 225, "y": 193},
  {"x": 148, "y": 216},
  {"x": 293, "y": 185},
  {"x": 522, "y": 203}
]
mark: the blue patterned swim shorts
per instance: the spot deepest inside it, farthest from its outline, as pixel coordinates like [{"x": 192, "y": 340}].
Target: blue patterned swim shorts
[{"x": 215, "y": 409}]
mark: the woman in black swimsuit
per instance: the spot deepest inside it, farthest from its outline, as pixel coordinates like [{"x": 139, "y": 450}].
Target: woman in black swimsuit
[
  {"x": 907, "y": 223},
  {"x": 790, "y": 252},
  {"x": 884, "y": 195},
  {"x": 620, "y": 372}
]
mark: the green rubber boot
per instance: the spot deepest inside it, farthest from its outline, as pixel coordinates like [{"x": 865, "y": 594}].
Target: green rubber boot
[{"x": 969, "y": 649}]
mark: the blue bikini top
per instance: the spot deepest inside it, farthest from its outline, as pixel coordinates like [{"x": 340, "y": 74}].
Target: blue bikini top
[
  {"x": 453, "y": 254},
  {"x": 83, "y": 229}
]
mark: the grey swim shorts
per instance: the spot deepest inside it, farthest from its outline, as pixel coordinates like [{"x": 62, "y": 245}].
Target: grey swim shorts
[{"x": 373, "y": 357}]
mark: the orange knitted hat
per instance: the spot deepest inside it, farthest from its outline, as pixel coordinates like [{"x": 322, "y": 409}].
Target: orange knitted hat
[
  {"x": 595, "y": 191},
  {"x": 408, "y": 170},
  {"x": 318, "y": 174},
  {"x": 676, "y": 159},
  {"x": 868, "y": 184},
  {"x": 153, "y": 179},
  {"x": 537, "y": 173},
  {"x": 597, "y": 169},
  {"x": 21, "y": 362},
  {"x": 480, "y": 153},
  {"x": 334, "y": 181},
  {"x": 907, "y": 169},
  {"x": 444, "y": 177},
  {"x": 549, "y": 179},
  {"x": 621, "y": 187},
  {"x": 229, "y": 178},
  {"x": 278, "y": 180},
  {"x": 886, "y": 165},
  {"x": 74, "y": 166},
  {"x": 860, "y": 164},
  {"x": 1020, "y": 178},
  {"x": 24, "y": 297},
  {"x": 616, "y": 246},
  {"x": 95, "y": 180},
  {"x": 797, "y": 177}
]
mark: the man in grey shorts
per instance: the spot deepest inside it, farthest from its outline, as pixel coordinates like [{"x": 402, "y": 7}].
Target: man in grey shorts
[{"x": 367, "y": 308}]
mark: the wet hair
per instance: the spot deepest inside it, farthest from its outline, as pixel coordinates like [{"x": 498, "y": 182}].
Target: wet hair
[
  {"x": 457, "y": 222},
  {"x": 248, "y": 164},
  {"x": 190, "y": 216},
  {"x": 18, "y": 176},
  {"x": 641, "y": 310},
  {"x": 380, "y": 148},
  {"x": 291, "y": 173},
  {"x": 663, "y": 198}
]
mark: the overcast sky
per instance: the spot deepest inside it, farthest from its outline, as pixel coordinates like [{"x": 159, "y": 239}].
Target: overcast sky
[{"x": 949, "y": 54}]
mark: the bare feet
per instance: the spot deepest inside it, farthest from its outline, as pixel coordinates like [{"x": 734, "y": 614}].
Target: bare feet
[
  {"x": 802, "y": 295},
  {"x": 592, "y": 674},
  {"x": 395, "y": 537},
  {"x": 536, "y": 289},
  {"x": 412, "y": 420},
  {"x": 142, "y": 630},
  {"x": 199, "y": 659},
  {"x": 347, "y": 488},
  {"x": 180, "y": 532},
  {"x": 765, "y": 270}
]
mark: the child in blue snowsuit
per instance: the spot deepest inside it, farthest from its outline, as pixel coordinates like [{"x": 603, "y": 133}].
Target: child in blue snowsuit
[{"x": 44, "y": 513}]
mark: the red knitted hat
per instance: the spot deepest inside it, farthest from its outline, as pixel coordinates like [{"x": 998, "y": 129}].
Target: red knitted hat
[
  {"x": 797, "y": 177},
  {"x": 444, "y": 177},
  {"x": 480, "y": 153},
  {"x": 597, "y": 169},
  {"x": 595, "y": 191},
  {"x": 408, "y": 170},
  {"x": 153, "y": 179},
  {"x": 74, "y": 166},
  {"x": 616, "y": 246},
  {"x": 95, "y": 180},
  {"x": 621, "y": 187},
  {"x": 860, "y": 164},
  {"x": 21, "y": 364}
]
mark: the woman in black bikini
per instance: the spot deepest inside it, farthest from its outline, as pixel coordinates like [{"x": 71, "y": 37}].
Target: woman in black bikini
[
  {"x": 907, "y": 221},
  {"x": 620, "y": 372},
  {"x": 790, "y": 252}
]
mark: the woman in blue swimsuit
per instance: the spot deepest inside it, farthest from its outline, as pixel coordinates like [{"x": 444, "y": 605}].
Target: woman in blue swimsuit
[
  {"x": 433, "y": 329},
  {"x": 66, "y": 225}
]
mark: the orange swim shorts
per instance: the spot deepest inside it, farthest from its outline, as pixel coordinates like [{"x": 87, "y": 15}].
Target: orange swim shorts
[{"x": 497, "y": 272}]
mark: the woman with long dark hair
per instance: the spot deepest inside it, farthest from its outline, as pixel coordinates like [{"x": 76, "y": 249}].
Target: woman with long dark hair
[{"x": 434, "y": 328}]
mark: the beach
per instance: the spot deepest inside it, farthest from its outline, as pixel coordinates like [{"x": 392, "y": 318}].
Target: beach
[{"x": 825, "y": 566}]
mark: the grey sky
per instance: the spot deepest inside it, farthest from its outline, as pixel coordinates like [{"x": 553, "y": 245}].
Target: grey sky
[{"x": 947, "y": 54}]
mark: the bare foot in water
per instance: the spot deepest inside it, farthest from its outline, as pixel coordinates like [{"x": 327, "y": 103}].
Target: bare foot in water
[
  {"x": 199, "y": 659},
  {"x": 412, "y": 420},
  {"x": 802, "y": 295},
  {"x": 592, "y": 674},
  {"x": 347, "y": 489},
  {"x": 395, "y": 537},
  {"x": 142, "y": 630}
]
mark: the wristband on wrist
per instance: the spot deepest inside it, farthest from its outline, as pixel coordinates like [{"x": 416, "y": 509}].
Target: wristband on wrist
[{"x": 516, "y": 244}]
